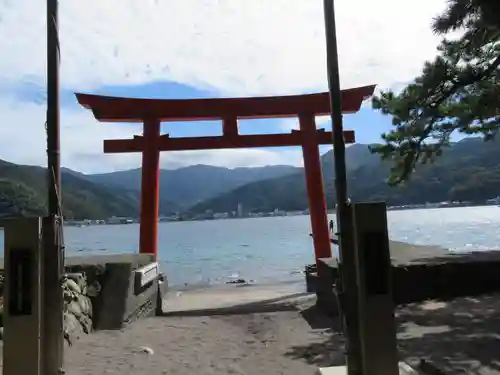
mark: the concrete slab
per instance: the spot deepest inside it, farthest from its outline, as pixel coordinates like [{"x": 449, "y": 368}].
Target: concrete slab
[
  {"x": 230, "y": 296},
  {"x": 333, "y": 370},
  {"x": 406, "y": 253},
  {"x": 404, "y": 369}
]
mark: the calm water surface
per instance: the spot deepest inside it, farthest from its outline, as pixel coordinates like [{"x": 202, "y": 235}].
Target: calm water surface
[{"x": 274, "y": 249}]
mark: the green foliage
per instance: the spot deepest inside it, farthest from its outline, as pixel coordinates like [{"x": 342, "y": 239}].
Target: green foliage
[
  {"x": 17, "y": 199},
  {"x": 23, "y": 192},
  {"x": 457, "y": 92}
]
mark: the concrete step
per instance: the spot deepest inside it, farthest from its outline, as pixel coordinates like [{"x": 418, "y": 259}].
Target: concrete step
[{"x": 404, "y": 369}]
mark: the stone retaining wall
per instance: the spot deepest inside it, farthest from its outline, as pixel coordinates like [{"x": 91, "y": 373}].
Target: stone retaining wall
[
  {"x": 81, "y": 288},
  {"x": 88, "y": 287},
  {"x": 77, "y": 307}
]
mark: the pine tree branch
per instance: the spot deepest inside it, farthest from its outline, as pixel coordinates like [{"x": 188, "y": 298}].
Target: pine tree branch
[{"x": 459, "y": 84}]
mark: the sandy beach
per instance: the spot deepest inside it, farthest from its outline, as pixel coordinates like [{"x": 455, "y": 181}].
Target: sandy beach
[
  {"x": 230, "y": 329},
  {"x": 284, "y": 335},
  {"x": 276, "y": 329},
  {"x": 239, "y": 344}
]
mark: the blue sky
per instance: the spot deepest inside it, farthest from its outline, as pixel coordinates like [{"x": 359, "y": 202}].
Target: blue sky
[{"x": 197, "y": 49}]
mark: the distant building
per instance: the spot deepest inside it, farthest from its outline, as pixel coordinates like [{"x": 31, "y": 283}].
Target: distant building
[
  {"x": 119, "y": 220},
  {"x": 278, "y": 212},
  {"x": 221, "y": 215},
  {"x": 240, "y": 210},
  {"x": 493, "y": 200}
]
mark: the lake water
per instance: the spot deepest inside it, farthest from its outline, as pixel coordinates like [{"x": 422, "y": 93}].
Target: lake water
[{"x": 275, "y": 249}]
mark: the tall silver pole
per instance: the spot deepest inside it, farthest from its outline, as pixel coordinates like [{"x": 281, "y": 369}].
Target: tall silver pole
[{"x": 344, "y": 214}]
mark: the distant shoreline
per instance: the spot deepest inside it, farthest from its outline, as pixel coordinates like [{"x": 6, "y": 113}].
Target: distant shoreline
[{"x": 430, "y": 206}]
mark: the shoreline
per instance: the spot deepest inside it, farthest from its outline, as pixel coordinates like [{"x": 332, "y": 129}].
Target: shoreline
[
  {"x": 297, "y": 284},
  {"x": 296, "y": 278}
]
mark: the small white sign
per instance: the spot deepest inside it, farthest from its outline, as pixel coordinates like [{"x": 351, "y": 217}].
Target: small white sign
[{"x": 146, "y": 274}]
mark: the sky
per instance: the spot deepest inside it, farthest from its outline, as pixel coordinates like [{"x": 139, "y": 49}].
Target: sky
[{"x": 197, "y": 49}]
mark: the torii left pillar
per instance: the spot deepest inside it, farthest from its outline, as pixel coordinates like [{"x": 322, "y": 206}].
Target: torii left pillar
[{"x": 150, "y": 188}]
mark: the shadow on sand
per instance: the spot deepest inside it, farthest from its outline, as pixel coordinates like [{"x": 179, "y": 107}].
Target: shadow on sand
[
  {"x": 321, "y": 354},
  {"x": 461, "y": 336},
  {"x": 328, "y": 352}
]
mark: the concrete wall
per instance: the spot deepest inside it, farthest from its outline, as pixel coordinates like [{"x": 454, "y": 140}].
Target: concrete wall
[
  {"x": 116, "y": 303},
  {"x": 99, "y": 293},
  {"x": 467, "y": 275},
  {"x": 443, "y": 281}
]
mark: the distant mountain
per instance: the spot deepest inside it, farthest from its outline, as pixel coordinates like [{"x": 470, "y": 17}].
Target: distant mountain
[
  {"x": 167, "y": 207},
  {"x": 23, "y": 192},
  {"x": 23, "y": 189},
  {"x": 357, "y": 155},
  {"x": 190, "y": 185},
  {"x": 468, "y": 171},
  {"x": 287, "y": 192}
]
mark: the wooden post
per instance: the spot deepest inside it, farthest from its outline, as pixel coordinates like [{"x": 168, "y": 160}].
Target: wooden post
[
  {"x": 150, "y": 189},
  {"x": 53, "y": 252},
  {"x": 52, "y": 271},
  {"x": 344, "y": 214},
  {"x": 315, "y": 189}
]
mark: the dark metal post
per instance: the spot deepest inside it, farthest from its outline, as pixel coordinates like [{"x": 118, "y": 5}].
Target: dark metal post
[
  {"x": 344, "y": 214},
  {"x": 53, "y": 136},
  {"x": 53, "y": 257}
]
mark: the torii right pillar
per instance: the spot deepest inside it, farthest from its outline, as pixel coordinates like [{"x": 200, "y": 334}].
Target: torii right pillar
[{"x": 315, "y": 189}]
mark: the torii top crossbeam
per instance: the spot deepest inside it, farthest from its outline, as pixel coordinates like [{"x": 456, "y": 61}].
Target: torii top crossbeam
[
  {"x": 115, "y": 109},
  {"x": 154, "y": 111}
]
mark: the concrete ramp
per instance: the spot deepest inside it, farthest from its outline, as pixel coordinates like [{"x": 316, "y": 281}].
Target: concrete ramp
[
  {"x": 234, "y": 298},
  {"x": 404, "y": 369}
]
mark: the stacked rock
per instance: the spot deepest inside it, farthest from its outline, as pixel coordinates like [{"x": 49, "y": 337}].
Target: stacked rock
[
  {"x": 1, "y": 304},
  {"x": 77, "y": 306},
  {"x": 78, "y": 292}
]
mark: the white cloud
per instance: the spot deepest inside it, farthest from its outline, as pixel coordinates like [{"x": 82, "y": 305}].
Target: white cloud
[
  {"x": 234, "y": 158},
  {"x": 290, "y": 124},
  {"x": 237, "y": 47},
  {"x": 23, "y": 141},
  {"x": 23, "y": 138}
]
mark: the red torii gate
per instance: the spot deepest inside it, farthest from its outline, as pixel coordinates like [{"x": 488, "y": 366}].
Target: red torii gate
[{"x": 152, "y": 112}]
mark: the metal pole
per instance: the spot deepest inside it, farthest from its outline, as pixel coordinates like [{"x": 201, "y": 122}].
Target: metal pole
[
  {"x": 53, "y": 136},
  {"x": 53, "y": 257},
  {"x": 344, "y": 214}
]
